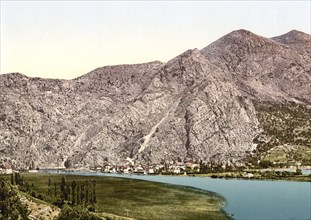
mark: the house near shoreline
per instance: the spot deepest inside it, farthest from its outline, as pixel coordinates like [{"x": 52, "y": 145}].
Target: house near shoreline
[
  {"x": 177, "y": 170},
  {"x": 249, "y": 175},
  {"x": 170, "y": 167},
  {"x": 6, "y": 169},
  {"x": 33, "y": 171}
]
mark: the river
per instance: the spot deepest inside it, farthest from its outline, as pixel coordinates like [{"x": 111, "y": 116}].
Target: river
[{"x": 246, "y": 199}]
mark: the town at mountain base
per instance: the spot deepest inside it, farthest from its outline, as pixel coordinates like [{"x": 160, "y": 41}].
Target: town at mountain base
[{"x": 235, "y": 102}]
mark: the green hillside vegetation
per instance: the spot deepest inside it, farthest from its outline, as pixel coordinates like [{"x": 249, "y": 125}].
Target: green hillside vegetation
[
  {"x": 129, "y": 198},
  {"x": 11, "y": 206},
  {"x": 286, "y": 133}
]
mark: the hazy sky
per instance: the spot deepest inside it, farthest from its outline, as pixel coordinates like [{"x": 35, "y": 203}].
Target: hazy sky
[{"x": 65, "y": 39}]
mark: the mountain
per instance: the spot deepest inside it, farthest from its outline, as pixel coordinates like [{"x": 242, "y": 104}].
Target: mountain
[
  {"x": 266, "y": 69},
  {"x": 209, "y": 104},
  {"x": 295, "y": 39}
]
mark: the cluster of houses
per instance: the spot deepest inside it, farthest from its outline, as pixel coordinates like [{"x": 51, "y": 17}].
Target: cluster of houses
[
  {"x": 129, "y": 167},
  {"x": 6, "y": 168},
  {"x": 170, "y": 167}
]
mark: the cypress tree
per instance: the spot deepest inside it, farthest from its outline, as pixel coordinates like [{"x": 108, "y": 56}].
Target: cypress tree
[
  {"x": 12, "y": 179},
  {"x": 82, "y": 197},
  {"x": 23, "y": 182},
  {"x": 94, "y": 191},
  {"x": 17, "y": 179},
  {"x": 73, "y": 190},
  {"x": 49, "y": 188},
  {"x": 91, "y": 194},
  {"x": 55, "y": 189},
  {"x": 63, "y": 188},
  {"x": 78, "y": 195},
  {"x": 86, "y": 192},
  {"x": 67, "y": 193}
]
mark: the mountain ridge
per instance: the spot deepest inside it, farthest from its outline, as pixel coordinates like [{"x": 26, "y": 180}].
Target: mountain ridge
[{"x": 197, "y": 106}]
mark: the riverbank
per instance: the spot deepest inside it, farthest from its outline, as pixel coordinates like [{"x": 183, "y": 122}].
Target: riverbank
[
  {"x": 140, "y": 199},
  {"x": 246, "y": 199},
  {"x": 256, "y": 176}
]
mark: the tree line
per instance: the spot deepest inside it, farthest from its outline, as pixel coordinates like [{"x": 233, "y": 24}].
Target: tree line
[
  {"x": 74, "y": 194},
  {"x": 216, "y": 167},
  {"x": 75, "y": 199}
]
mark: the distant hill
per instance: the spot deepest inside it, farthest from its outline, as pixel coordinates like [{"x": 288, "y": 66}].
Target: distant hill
[{"x": 217, "y": 103}]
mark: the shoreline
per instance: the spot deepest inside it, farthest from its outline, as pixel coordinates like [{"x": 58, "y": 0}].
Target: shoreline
[
  {"x": 228, "y": 207},
  {"x": 224, "y": 175},
  {"x": 113, "y": 187},
  {"x": 219, "y": 186}
]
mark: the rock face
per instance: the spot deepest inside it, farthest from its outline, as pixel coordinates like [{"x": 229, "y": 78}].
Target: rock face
[{"x": 197, "y": 106}]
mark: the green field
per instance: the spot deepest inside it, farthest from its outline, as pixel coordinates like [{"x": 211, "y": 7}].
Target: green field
[{"x": 140, "y": 199}]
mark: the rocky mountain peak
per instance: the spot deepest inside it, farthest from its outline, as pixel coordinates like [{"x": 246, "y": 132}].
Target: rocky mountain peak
[
  {"x": 243, "y": 38},
  {"x": 300, "y": 42},
  {"x": 239, "y": 47},
  {"x": 252, "y": 61},
  {"x": 293, "y": 37},
  {"x": 242, "y": 34}
]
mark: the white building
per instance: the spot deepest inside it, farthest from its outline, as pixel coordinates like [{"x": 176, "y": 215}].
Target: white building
[
  {"x": 33, "y": 171},
  {"x": 249, "y": 175},
  {"x": 176, "y": 170},
  {"x": 150, "y": 171}
]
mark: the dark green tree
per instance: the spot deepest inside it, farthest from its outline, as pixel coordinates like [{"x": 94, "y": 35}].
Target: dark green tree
[
  {"x": 18, "y": 179},
  {"x": 73, "y": 191},
  {"x": 94, "y": 191},
  {"x": 203, "y": 167},
  {"x": 67, "y": 192},
  {"x": 49, "y": 188},
  {"x": 78, "y": 195},
  {"x": 82, "y": 196},
  {"x": 23, "y": 181},
  {"x": 63, "y": 189},
  {"x": 265, "y": 164},
  {"x": 86, "y": 192},
  {"x": 298, "y": 172},
  {"x": 55, "y": 189},
  {"x": 12, "y": 179}
]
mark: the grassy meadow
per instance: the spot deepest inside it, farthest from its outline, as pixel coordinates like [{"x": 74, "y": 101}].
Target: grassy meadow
[{"x": 140, "y": 199}]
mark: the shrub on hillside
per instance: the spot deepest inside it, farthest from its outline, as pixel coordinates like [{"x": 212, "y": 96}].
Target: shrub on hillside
[{"x": 76, "y": 213}]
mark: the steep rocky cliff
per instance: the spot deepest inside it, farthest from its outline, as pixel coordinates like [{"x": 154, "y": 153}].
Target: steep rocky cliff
[{"x": 199, "y": 105}]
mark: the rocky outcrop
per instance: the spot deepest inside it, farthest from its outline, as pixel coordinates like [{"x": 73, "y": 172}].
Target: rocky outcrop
[{"x": 198, "y": 106}]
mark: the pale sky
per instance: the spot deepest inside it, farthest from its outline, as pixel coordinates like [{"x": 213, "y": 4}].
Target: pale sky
[{"x": 66, "y": 39}]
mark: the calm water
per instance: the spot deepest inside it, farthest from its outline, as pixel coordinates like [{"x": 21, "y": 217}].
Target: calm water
[
  {"x": 248, "y": 199},
  {"x": 307, "y": 172}
]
